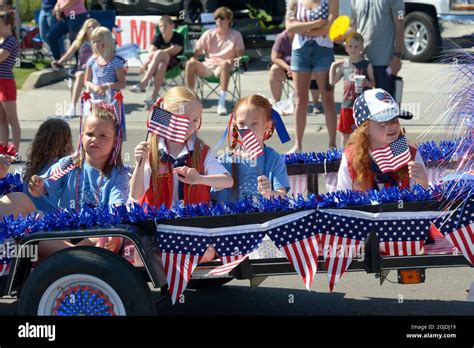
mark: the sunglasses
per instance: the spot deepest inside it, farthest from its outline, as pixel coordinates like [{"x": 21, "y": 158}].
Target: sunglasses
[{"x": 219, "y": 17}]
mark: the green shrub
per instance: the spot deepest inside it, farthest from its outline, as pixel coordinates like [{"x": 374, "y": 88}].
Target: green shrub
[{"x": 27, "y": 9}]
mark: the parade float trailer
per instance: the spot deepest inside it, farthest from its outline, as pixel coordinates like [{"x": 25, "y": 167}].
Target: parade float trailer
[{"x": 284, "y": 239}]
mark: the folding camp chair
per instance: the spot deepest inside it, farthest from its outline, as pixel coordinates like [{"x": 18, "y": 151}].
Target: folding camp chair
[
  {"x": 212, "y": 82},
  {"x": 173, "y": 75}
]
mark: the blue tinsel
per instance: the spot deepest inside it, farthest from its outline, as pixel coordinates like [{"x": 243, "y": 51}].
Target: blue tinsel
[
  {"x": 88, "y": 217},
  {"x": 430, "y": 151},
  {"x": 11, "y": 183}
]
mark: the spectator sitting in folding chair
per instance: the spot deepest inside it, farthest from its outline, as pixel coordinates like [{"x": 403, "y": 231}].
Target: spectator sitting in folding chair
[
  {"x": 280, "y": 70},
  {"x": 221, "y": 45},
  {"x": 162, "y": 57}
]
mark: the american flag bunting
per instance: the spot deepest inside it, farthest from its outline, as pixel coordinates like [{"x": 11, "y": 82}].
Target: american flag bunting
[{"x": 458, "y": 229}]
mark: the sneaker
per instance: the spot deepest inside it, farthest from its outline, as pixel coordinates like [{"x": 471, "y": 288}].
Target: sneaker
[
  {"x": 136, "y": 88},
  {"x": 221, "y": 110},
  {"x": 71, "y": 112},
  {"x": 56, "y": 66},
  {"x": 149, "y": 103},
  {"x": 316, "y": 110},
  {"x": 17, "y": 158}
]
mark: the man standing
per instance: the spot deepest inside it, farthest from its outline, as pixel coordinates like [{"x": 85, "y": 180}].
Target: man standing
[{"x": 380, "y": 22}]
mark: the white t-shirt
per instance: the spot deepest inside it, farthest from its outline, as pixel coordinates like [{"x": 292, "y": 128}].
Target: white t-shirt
[
  {"x": 211, "y": 166},
  {"x": 344, "y": 181}
]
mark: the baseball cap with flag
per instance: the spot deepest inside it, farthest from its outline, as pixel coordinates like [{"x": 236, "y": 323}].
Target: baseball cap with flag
[{"x": 377, "y": 105}]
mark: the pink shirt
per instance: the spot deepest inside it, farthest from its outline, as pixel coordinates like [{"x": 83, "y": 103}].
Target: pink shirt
[
  {"x": 219, "y": 48},
  {"x": 77, "y": 9}
]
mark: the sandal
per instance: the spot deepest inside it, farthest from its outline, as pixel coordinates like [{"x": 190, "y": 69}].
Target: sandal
[
  {"x": 136, "y": 89},
  {"x": 294, "y": 149}
]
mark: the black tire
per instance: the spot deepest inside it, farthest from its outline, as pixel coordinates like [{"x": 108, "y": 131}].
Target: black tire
[
  {"x": 428, "y": 28},
  {"x": 99, "y": 266},
  {"x": 208, "y": 283}
]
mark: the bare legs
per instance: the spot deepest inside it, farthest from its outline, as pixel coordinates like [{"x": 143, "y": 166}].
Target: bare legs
[{"x": 9, "y": 118}]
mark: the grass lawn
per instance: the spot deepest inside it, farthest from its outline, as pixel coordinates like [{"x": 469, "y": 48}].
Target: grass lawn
[{"x": 21, "y": 74}]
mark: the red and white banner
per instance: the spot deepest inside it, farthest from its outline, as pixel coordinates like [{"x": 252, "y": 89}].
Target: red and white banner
[{"x": 136, "y": 29}]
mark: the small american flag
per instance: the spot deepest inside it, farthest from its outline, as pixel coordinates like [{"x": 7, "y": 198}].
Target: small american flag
[
  {"x": 250, "y": 142},
  {"x": 459, "y": 229},
  {"x": 402, "y": 237},
  {"x": 64, "y": 167},
  {"x": 168, "y": 125},
  {"x": 298, "y": 241},
  {"x": 341, "y": 240},
  {"x": 394, "y": 156},
  {"x": 180, "y": 255}
]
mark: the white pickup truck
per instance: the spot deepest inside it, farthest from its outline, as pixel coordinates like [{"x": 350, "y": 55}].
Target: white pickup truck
[{"x": 428, "y": 21}]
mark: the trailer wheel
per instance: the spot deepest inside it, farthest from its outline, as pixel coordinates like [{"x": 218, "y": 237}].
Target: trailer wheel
[
  {"x": 420, "y": 37},
  {"x": 85, "y": 281}
]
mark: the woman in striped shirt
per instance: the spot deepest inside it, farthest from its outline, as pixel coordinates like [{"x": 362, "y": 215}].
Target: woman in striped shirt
[{"x": 8, "y": 56}]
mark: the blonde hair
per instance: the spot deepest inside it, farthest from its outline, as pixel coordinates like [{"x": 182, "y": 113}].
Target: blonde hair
[
  {"x": 105, "y": 112},
  {"x": 359, "y": 144},
  {"x": 82, "y": 35},
  {"x": 224, "y": 11},
  {"x": 176, "y": 100},
  {"x": 104, "y": 34}
]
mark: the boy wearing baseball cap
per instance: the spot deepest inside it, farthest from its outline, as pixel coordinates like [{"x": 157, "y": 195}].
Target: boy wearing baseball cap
[{"x": 378, "y": 154}]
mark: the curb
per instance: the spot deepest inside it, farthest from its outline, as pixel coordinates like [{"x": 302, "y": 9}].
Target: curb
[{"x": 44, "y": 77}]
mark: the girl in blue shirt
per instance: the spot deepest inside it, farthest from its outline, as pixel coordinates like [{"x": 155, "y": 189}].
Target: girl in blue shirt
[
  {"x": 264, "y": 176},
  {"x": 93, "y": 177}
]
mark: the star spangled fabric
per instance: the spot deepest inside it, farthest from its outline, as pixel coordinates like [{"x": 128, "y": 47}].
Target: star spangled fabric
[
  {"x": 341, "y": 239},
  {"x": 64, "y": 167},
  {"x": 234, "y": 249},
  {"x": 458, "y": 229},
  {"x": 180, "y": 255},
  {"x": 168, "y": 125},
  {"x": 250, "y": 142},
  {"x": 392, "y": 157},
  {"x": 402, "y": 237},
  {"x": 298, "y": 241}
]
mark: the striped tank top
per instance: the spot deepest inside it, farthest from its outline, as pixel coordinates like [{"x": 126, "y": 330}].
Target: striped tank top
[{"x": 305, "y": 15}]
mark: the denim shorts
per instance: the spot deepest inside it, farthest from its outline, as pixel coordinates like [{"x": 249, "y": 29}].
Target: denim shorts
[{"x": 311, "y": 57}]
